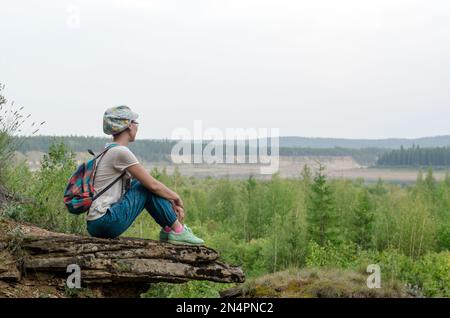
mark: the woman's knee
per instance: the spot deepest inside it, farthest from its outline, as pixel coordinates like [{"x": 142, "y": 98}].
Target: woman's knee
[
  {"x": 165, "y": 210},
  {"x": 161, "y": 202},
  {"x": 160, "y": 208},
  {"x": 137, "y": 185},
  {"x": 140, "y": 189}
]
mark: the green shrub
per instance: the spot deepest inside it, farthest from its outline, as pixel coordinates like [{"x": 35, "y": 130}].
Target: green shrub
[
  {"x": 429, "y": 273},
  {"x": 45, "y": 188},
  {"x": 192, "y": 289},
  {"x": 432, "y": 274}
]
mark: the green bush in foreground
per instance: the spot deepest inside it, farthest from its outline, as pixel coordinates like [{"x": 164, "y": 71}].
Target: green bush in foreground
[{"x": 45, "y": 188}]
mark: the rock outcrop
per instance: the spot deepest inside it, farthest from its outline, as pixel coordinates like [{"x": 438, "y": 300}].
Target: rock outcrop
[{"x": 33, "y": 259}]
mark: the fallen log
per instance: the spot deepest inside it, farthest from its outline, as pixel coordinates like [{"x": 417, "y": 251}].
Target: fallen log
[{"x": 31, "y": 255}]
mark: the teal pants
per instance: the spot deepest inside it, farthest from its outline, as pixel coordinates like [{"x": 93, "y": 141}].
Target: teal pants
[{"x": 122, "y": 214}]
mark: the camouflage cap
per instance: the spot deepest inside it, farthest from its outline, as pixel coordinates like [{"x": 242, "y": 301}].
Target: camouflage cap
[{"x": 116, "y": 119}]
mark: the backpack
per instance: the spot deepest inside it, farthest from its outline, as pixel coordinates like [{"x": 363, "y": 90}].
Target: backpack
[{"x": 79, "y": 193}]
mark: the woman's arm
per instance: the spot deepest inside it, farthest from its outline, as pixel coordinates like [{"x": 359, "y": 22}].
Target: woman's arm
[{"x": 138, "y": 171}]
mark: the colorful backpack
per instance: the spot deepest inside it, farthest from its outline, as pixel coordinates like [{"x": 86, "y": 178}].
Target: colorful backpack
[{"x": 79, "y": 193}]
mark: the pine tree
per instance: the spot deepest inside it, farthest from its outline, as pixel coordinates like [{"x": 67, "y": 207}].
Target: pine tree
[
  {"x": 363, "y": 221},
  {"x": 430, "y": 182},
  {"x": 251, "y": 215},
  {"x": 320, "y": 213},
  {"x": 380, "y": 189}
]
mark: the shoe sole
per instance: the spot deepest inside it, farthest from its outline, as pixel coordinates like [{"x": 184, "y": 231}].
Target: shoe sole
[{"x": 183, "y": 243}]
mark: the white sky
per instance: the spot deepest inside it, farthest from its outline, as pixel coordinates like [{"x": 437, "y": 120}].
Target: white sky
[{"x": 322, "y": 68}]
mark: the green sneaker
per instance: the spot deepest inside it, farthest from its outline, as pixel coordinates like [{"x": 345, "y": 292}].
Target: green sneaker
[
  {"x": 185, "y": 237},
  {"x": 163, "y": 235}
]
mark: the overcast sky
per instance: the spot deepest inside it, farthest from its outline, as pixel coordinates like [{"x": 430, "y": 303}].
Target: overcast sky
[{"x": 319, "y": 68}]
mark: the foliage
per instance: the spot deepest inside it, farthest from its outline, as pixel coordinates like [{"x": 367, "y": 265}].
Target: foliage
[
  {"x": 46, "y": 187},
  {"x": 416, "y": 156},
  {"x": 321, "y": 214},
  {"x": 192, "y": 289},
  {"x": 267, "y": 226}
]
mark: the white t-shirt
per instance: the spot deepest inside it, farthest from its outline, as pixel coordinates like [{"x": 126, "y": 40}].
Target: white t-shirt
[{"x": 114, "y": 162}]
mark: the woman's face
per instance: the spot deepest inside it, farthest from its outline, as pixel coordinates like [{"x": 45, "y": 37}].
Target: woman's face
[{"x": 133, "y": 130}]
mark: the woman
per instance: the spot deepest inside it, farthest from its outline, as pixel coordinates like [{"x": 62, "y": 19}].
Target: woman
[{"x": 112, "y": 213}]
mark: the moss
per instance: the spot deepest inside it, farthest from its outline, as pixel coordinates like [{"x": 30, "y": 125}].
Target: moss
[
  {"x": 263, "y": 291},
  {"x": 318, "y": 283},
  {"x": 328, "y": 289}
]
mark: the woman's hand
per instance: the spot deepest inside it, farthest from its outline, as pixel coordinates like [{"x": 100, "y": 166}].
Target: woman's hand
[
  {"x": 180, "y": 213},
  {"x": 178, "y": 202},
  {"x": 177, "y": 205}
]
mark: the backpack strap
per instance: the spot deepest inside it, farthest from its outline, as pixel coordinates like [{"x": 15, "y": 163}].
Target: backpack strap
[
  {"x": 103, "y": 152},
  {"x": 95, "y": 171},
  {"x": 96, "y": 157},
  {"x": 108, "y": 187}
]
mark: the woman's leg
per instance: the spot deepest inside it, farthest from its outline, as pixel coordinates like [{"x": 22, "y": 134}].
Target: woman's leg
[
  {"x": 123, "y": 213},
  {"x": 161, "y": 210}
]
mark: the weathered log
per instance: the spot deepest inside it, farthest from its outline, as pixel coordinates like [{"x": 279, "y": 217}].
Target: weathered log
[{"x": 32, "y": 253}]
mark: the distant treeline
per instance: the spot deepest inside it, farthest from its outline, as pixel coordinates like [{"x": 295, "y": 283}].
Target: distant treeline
[
  {"x": 160, "y": 150},
  {"x": 149, "y": 150},
  {"x": 416, "y": 156}
]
